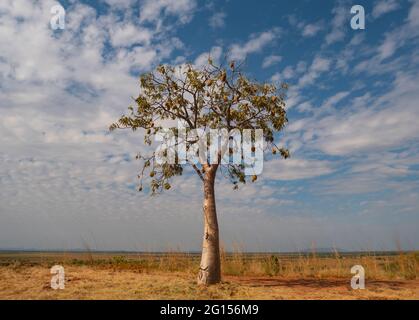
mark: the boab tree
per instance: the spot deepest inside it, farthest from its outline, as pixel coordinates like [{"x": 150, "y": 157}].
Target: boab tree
[{"x": 208, "y": 97}]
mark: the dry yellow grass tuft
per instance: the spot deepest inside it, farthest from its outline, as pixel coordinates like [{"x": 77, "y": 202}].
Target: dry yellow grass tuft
[{"x": 172, "y": 276}]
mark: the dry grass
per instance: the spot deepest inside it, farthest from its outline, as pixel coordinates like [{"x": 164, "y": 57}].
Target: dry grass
[
  {"x": 379, "y": 267},
  {"x": 172, "y": 276}
]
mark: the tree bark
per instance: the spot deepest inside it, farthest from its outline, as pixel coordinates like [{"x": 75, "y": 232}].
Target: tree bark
[{"x": 210, "y": 269}]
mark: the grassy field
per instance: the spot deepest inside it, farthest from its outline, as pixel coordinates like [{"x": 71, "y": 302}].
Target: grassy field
[{"x": 26, "y": 275}]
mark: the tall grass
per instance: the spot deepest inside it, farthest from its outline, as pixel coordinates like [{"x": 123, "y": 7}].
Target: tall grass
[
  {"x": 237, "y": 263},
  {"x": 401, "y": 265}
]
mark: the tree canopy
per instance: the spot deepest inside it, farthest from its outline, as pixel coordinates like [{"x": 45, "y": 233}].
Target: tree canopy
[{"x": 208, "y": 97}]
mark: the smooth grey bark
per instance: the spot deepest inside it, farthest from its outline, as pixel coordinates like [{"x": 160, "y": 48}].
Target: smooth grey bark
[{"x": 210, "y": 268}]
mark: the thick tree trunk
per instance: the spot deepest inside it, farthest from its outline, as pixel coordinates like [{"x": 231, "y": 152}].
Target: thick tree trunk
[{"x": 210, "y": 269}]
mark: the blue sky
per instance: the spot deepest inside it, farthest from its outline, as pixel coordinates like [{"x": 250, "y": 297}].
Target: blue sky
[{"x": 352, "y": 180}]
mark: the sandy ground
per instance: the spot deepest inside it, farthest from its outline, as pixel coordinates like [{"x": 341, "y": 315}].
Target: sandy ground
[{"x": 83, "y": 282}]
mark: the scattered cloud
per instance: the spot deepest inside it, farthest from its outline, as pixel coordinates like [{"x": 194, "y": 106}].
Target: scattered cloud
[
  {"x": 271, "y": 60},
  {"x": 318, "y": 66},
  {"x": 255, "y": 44},
  {"x": 215, "y": 55},
  {"x": 129, "y": 35},
  {"x": 154, "y": 10},
  {"x": 353, "y": 130},
  {"x": 295, "y": 169},
  {"x": 387, "y": 123},
  {"x": 312, "y": 29},
  {"x": 217, "y": 20},
  {"x": 333, "y": 100},
  {"x": 383, "y": 7},
  {"x": 341, "y": 15}
]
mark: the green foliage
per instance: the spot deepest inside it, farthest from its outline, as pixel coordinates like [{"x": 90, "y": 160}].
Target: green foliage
[{"x": 211, "y": 97}]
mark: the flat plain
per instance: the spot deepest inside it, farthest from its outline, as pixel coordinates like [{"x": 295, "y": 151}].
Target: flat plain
[{"x": 93, "y": 275}]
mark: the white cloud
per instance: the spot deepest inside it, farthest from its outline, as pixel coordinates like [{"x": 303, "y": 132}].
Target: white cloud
[
  {"x": 307, "y": 29},
  {"x": 383, "y": 7},
  {"x": 288, "y": 73},
  {"x": 306, "y": 106},
  {"x": 380, "y": 168},
  {"x": 389, "y": 122},
  {"x": 333, "y": 100},
  {"x": 215, "y": 55},
  {"x": 271, "y": 60},
  {"x": 413, "y": 17},
  {"x": 62, "y": 172},
  {"x": 154, "y": 10},
  {"x": 384, "y": 60},
  {"x": 217, "y": 20},
  {"x": 341, "y": 16},
  {"x": 318, "y": 66},
  {"x": 276, "y": 77},
  {"x": 129, "y": 34},
  {"x": 75, "y": 88},
  {"x": 255, "y": 44},
  {"x": 295, "y": 169},
  {"x": 121, "y": 3},
  {"x": 388, "y": 47},
  {"x": 310, "y": 30}
]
